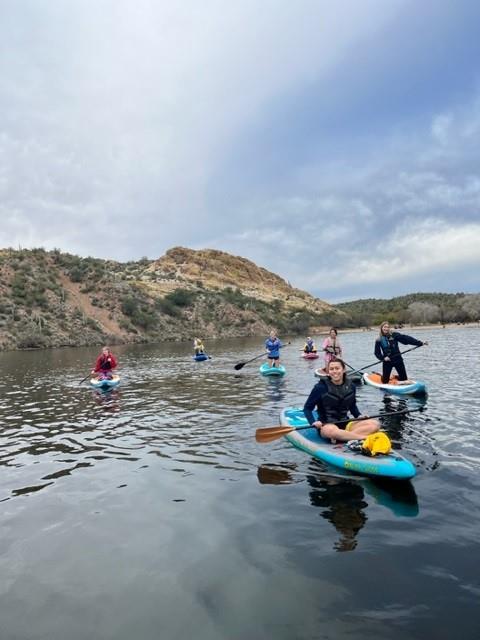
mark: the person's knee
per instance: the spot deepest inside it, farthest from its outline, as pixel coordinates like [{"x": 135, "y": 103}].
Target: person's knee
[{"x": 328, "y": 431}]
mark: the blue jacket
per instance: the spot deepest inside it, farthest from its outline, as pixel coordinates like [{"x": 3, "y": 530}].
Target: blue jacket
[{"x": 273, "y": 347}]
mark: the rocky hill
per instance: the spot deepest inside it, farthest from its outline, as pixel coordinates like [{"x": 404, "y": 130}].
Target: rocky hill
[{"x": 50, "y": 298}]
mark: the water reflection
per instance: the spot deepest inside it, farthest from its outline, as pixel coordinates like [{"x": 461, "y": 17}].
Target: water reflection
[
  {"x": 275, "y": 389},
  {"x": 342, "y": 498},
  {"x": 108, "y": 399}
]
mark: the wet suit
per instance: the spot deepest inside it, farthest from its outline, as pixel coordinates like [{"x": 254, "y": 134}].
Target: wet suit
[
  {"x": 387, "y": 346},
  {"x": 332, "y": 401}
]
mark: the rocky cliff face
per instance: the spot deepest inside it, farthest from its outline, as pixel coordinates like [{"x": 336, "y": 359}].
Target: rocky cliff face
[
  {"x": 56, "y": 299},
  {"x": 181, "y": 267}
]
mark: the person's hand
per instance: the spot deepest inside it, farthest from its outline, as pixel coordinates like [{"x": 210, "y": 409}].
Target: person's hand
[
  {"x": 317, "y": 424},
  {"x": 386, "y": 359}
]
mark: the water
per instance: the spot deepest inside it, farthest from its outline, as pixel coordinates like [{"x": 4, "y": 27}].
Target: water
[{"x": 150, "y": 511}]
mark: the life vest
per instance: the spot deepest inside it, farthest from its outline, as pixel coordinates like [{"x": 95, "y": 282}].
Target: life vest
[
  {"x": 106, "y": 363},
  {"x": 389, "y": 345},
  {"x": 338, "y": 399}
]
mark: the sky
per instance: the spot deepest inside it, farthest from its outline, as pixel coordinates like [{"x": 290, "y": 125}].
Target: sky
[{"x": 336, "y": 144}]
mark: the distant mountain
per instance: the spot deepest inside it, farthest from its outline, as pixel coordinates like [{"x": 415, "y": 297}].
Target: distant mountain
[
  {"x": 413, "y": 308},
  {"x": 50, "y": 298}
]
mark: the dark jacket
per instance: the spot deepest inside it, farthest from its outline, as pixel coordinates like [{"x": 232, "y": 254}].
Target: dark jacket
[
  {"x": 332, "y": 401},
  {"x": 387, "y": 346}
]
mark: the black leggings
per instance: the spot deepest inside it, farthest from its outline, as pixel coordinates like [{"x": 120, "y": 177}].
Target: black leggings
[{"x": 396, "y": 363}]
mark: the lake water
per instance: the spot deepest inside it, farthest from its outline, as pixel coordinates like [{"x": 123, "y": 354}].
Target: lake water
[{"x": 151, "y": 512}]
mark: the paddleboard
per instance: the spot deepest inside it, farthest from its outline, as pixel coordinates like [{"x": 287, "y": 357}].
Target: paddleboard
[
  {"x": 392, "y": 465},
  {"x": 416, "y": 387}
]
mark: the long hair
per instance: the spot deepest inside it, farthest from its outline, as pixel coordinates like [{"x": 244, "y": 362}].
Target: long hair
[{"x": 381, "y": 334}]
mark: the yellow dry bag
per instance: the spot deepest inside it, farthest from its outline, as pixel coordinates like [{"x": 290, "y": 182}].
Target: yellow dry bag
[{"x": 377, "y": 443}]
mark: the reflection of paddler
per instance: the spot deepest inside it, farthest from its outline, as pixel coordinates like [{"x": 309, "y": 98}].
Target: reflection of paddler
[{"x": 343, "y": 505}]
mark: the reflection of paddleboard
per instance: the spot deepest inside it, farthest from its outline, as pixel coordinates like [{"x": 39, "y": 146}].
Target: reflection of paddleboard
[
  {"x": 396, "y": 495},
  {"x": 266, "y": 370},
  {"x": 392, "y": 465},
  {"x": 394, "y": 386},
  {"x": 105, "y": 383}
]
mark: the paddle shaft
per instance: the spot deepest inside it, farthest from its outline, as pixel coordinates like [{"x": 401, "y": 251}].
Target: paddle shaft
[
  {"x": 240, "y": 365},
  {"x": 268, "y": 434},
  {"x": 379, "y": 415},
  {"x": 395, "y": 357}
]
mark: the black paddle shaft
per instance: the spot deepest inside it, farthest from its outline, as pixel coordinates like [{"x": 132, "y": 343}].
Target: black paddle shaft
[
  {"x": 240, "y": 365},
  {"x": 379, "y": 415},
  {"x": 395, "y": 357}
]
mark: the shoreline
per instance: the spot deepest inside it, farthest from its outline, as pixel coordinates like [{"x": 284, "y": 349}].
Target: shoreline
[
  {"x": 406, "y": 327},
  {"x": 319, "y": 331}
]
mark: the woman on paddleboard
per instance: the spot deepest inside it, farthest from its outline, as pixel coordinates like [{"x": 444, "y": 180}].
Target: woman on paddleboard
[
  {"x": 105, "y": 364},
  {"x": 273, "y": 345},
  {"x": 334, "y": 398},
  {"x": 198, "y": 346},
  {"x": 331, "y": 347},
  {"x": 388, "y": 352}
]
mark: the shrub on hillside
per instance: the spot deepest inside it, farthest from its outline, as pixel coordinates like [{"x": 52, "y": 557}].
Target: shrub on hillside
[{"x": 181, "y": 297}]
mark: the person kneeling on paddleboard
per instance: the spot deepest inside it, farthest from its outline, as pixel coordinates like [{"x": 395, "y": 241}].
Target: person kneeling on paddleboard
[
  {"x": 309, "y": 346},
  {"x": 334, "y": 398},
  {"x": 105, "y": 364},
  {"x": 388, "y": 352}
]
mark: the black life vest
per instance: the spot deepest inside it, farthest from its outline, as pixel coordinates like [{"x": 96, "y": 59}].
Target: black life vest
[
  {"x": 337, "y": 399},
  {"x": 106, "y": 363},
  {"x": 389, "y": 345}
]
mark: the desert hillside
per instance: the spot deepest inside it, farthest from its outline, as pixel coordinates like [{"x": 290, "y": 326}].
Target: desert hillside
[{"x": 50, "y": 298}]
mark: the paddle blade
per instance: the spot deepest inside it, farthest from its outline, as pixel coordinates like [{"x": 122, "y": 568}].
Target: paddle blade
[
  {"x": 269, "y": 434},
  {"x": 239, "y": 366}
]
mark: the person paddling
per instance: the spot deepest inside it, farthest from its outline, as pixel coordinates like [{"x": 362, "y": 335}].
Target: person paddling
[
  {"x": 334, "y": 398},
  {"x": 388, "y": 352},
  {"x": 105, "y": 364},
  {"x": 309, "y": 346},
  {"x": 273, "y": 345},
  {"x": 331, "y": 347}
]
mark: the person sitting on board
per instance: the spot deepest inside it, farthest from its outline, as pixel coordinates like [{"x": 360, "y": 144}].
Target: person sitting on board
[
  {"x": 334, "y": 398},
  {"x": 309, "y": 346},
  {"x": 388, "y": 352},
  {"x": 198, "y": 346},
  {"x": 331, "y": 347},
  {"x": 105, "y": 364},
  {"x": 273, "y": 344}
]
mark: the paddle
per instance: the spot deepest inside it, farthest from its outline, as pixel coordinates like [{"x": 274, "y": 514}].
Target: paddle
[
  {"x": 268, "y": 434},
  {"x": 392, "y": 358},
  {"x": 240, "y": 365},
  {"x": 83, "y": 379}
]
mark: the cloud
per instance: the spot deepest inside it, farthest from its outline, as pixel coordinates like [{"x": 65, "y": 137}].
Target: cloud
[
  {"x": 116, "y": 114},
  {"x": 432, "y": 246},
  {"x": 302, "y": 137},
  {"x": 405, "y": 216}
]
